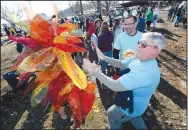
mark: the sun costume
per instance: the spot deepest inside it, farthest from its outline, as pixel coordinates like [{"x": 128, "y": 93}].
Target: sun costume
[{"x": 56, "y": 78}]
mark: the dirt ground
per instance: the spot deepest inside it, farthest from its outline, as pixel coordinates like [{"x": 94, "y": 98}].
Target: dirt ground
[{"x": 167, "y": 109}]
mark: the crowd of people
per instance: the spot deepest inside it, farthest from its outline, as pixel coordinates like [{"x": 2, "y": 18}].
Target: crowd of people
[
  {"x": 177, "y": 13},
  {"x": 110, "y": 42},
  {"x": 131, "y": 82}
]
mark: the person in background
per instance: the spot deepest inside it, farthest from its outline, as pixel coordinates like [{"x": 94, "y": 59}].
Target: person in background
[
  {"x": 20, "y": 48},
  {"x": 122, "y": 24},
  {"x": 100, "y": 17},
  {"x": 81, "y": 23},
  {"x": 72, "y": 20},
  {"x": 175, "y": 11},
  {"x": 12, "y": 31},
  {"x": 111, "y": 18},
  {"x": 117, "y": 28},
  {"x": 185, "y": 17},
  {"x": 128, "y": 39},
  {"x": 6, "y": 29},
  {"x": 178, "y": 16},
  {"x": 149, "y": 18},
  {"x": 79, "y": 59},
  {"x": 97, "y": 24},
  {"x": 141, "y": 24},
  {"x": 156, "y": 16},
  {"x": 155, "y": 19},
  {"x": 65, "y": 19},
  {"x": 62, "y": 20},
  {"x": 86, "y": 23},
  {"x": 105, "y": 43},
  {"x": 170, "y": 12},
  {"x": 91, "y": 29}
]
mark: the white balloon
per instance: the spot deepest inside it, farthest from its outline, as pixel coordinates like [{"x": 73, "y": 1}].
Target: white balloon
[
  {"x": 125, "y": 14},
  {"x": 134, "y": 12}
]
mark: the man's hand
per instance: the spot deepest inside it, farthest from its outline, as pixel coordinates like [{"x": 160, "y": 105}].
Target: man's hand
[
  {"x": 88, "y": 66},
  {"x": 100, "y": 55}
]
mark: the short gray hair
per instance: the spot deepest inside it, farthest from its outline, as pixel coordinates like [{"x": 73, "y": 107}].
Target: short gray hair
[{"x": 157, "y": 38}]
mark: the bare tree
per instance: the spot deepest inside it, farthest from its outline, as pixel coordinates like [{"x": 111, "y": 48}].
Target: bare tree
[
  {"x": 60, "y": 13},
  {"x": 11, "y": 16},
  {"x": 98, "y": 6},
  {"x": 71, "y": 6},
  {"x": 81, "y": 8},
  {"x": 77, "y": 7},
  {"x": 104, "y": 4},
  {"x": 14, "y": 17}
]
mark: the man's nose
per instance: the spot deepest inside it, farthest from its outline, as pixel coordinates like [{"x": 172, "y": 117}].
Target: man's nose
[{"x": 127, "y": 26}]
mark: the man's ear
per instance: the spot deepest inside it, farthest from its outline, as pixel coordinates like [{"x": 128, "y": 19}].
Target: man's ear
[
  {"x": 135, "y": 24},
  {"x": 155, "y": 51}
]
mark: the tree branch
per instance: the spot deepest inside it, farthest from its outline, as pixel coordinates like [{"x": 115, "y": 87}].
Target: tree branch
[
  {"x": 10, "y": 16},
  {"x": 103, "y": 4},
  {"x": 109, "y": 3},
  {"x": 94, "y": 4}
]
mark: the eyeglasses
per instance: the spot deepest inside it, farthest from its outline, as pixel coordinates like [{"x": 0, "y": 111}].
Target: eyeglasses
[
  {"x": 129, "y": 24},
  {"x": 144, "y": 44}
]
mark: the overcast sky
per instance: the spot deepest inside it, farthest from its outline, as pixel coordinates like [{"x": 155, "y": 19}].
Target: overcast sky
[{"x": 37, "y": 6}]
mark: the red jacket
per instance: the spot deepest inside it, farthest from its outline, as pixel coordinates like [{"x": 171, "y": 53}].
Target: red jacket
[{"x": 91, "y": 28}]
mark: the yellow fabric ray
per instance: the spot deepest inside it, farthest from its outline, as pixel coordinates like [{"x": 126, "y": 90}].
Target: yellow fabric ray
[{"x": 71, "y": 68}]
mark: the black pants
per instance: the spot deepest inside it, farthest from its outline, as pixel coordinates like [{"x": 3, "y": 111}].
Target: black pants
[{"x": 148, "y": 23}]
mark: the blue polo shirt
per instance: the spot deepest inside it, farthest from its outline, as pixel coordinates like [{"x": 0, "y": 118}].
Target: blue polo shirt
[
  {"x": 143, "y": 79},
  {"x": 125, "y": 42}
]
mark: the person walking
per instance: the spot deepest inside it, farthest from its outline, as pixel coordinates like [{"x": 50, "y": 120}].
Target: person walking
[{"x": 149, "y": 18}]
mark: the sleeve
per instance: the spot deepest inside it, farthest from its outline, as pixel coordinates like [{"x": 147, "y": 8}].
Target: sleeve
[
  {"x": 127, "y": 61},
  {"x": 131, "y": 81},
  {"x": 116, "y": 53},
  {"x": 115, "y": 62},
  {"x": 117, "y": 43},
  {"x": 114, "y": 85}
]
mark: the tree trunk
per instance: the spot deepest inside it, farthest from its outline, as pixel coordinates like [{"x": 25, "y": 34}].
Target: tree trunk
[
  {"x": 81, "y": 8},
  {"x": 99, "y": 6},
  {"x": 107, "y": 5}
]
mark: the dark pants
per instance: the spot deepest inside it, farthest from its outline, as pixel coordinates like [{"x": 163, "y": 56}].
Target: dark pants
[{"x": 148, "y": 23}]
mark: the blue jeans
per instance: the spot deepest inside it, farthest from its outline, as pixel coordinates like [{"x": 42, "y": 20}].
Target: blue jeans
[
  {"x": 116, "y": 119},
  {"x": 104, "y": 63},
  {"x": 176, "y": 21}
]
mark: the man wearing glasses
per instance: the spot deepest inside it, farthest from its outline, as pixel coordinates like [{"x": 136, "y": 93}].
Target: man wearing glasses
[
  {"x": 128, "y": 39},
  {"x": 143, "y": 79}
]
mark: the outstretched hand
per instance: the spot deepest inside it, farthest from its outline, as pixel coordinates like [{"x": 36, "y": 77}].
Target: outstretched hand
[
  {"x": 100, "y": 55},
  {"x": 88, "y": 66}
]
